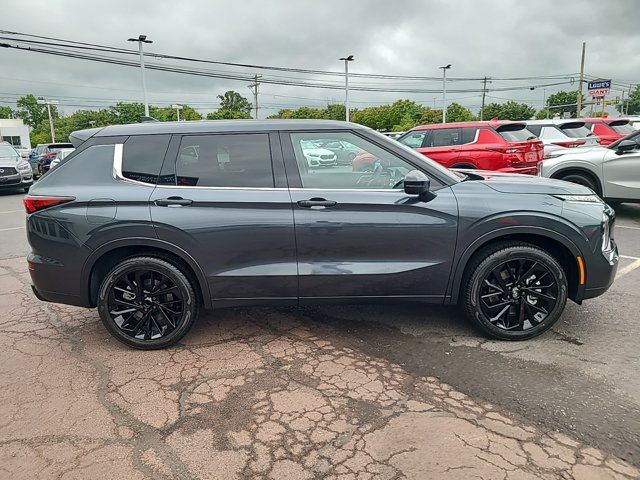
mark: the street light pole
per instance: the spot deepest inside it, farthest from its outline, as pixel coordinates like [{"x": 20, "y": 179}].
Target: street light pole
[
  {"x": 178, "y": 108},
  {"x": 48, "y": 103},
  {"x": 346, "y": 84},
  {"x": 141, "y": 40},
  {"x": 444, "y": 92}
]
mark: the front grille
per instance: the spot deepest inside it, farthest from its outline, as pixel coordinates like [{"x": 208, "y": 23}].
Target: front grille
[
  {"x": 326, "y": 157},
  {"x": 7, "y": 171}
]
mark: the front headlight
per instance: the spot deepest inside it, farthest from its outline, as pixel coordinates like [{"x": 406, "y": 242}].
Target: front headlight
[
  {"x": 23, "y": 166},
  {"x": 580, "y": 198}
]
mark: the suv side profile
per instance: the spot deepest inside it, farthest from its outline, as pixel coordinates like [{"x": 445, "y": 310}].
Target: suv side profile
[
  {"x": 150, "y": 223},
  {"x": 608, "y": 130},
  {"x": 495, "y": 145},
  {"x": 559, "y": 135}
]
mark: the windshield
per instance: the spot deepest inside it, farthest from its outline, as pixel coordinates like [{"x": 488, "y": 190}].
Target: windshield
[
  {"x": 515, "y": 132},
  {"x": 575, "y": 130},
  {"x": 634, "y": 137},
  {"x": 7, "y": 151}
]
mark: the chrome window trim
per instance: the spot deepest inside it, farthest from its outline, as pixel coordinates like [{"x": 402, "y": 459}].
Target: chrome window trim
[{"x": 118, "y": 149}]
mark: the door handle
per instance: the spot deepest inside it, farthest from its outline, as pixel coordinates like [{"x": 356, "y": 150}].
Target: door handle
[
  {"x": 317, "y": 202},
  {"x": 173, "y": 201}
]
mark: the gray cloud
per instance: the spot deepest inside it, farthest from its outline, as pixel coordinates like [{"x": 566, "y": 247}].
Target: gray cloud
[{"x": 491, "y": 37}]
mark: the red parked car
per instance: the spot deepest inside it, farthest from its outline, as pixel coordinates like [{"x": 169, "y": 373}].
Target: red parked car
[
  {"x": 495, "y": 145},
  {"x": 609, "y": 129}
]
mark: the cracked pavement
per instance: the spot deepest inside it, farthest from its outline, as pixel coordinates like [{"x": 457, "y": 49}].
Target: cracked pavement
[{"x": 250, "y": 393}]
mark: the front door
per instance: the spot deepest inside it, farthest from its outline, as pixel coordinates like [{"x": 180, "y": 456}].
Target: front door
[
  {"x": 219, "y": 198},
  {"x": 358, "y": 234},
  {"x": 442, "y": 145},
  {"x": 622, "y": 173}
]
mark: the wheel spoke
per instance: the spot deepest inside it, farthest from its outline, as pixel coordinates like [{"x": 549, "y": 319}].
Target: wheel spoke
[
  {"x": 166, "y": 318},
  {"x": 164, "y": 291},
  {"x": 521, "y": 313},
  {"x": 493, "y": 286},
  {"x": 535, "y": 293},
  {"x": 124, "y": 303},
  {"x": 499, "y": 315}
]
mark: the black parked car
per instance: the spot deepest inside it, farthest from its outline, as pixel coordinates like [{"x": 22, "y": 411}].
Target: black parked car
[{"x": 152, "y": 222}]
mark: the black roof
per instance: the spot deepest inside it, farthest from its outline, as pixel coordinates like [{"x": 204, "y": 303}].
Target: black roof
[{"x": 210, "y": 126}]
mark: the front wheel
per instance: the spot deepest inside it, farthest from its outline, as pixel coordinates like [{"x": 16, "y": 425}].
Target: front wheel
[
  {"x": 514, "y": 291},
  {"x": 582, "y": 179},
  {"x": 147, "y": 303}
]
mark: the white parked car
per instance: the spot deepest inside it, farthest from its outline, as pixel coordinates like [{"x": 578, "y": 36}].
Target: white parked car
[
  {"x": 613, "y": 172},
  {"x": 559, "y": 134},
  {"x": 60, "y": 155},
  {"x": 634, "y": 121},
  {"x": 317, "y": 156}
]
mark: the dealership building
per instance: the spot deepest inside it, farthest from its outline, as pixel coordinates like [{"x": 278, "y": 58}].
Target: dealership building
[{"x": 15, "y": 132}]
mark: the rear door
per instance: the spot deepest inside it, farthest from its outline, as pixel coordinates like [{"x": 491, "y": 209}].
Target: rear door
[
  {"x": 442, "y": 145},
  {"x": 359, "y": 235},
  {"x": 223, "y": 198},
  {"x": 622, "y": 173}
]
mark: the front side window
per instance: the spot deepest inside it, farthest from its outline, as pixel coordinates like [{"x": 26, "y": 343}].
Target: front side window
[
  {"x": 515, "y": 132},
  {"x": 142, "y": 157},
  {"x": 413, "y": 139},
  {"x": 225, "y": 160},
  {"x": 372, "y": 168},
  {"x": 444, "y": 137}
]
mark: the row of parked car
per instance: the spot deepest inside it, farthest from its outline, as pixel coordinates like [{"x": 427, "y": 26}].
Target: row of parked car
[
  {"x": 600, "y": 153},
  {"x": 20, "y": 166}
]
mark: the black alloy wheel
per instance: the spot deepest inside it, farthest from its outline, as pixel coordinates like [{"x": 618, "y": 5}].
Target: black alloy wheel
[
  {"x": 147, "y": 303},
  {"x": 515, "y": 291}
]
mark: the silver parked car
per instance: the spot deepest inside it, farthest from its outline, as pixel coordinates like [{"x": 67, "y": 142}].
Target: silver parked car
[
  {"x": 561, "y": 134},
  {"x": 613, "y": 172}
]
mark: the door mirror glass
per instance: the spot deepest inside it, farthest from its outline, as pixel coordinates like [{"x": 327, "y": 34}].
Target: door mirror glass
[
  {"x": 626, "y": 146},
  {"x": 416, "y": 183}
]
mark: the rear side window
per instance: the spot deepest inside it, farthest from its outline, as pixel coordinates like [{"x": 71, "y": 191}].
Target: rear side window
[
  {"x": 469, "y": 134},
  {"x": 142, "y": 157},
  {"x": 225, "y": 160},
  {"x": 413, "y": 139},
  {"x": 622, "y": 127},
  {"x": 535, "y": 129},
  {"x": 444, "y": 137},
  {"x": 516, "y": 132}
]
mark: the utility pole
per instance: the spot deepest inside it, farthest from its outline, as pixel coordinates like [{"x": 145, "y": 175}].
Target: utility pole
[
  {"x": 48, "y": 103},
  {"x": 484, "y": 92},
  {"x": 579, "y": 108},
  {"x": 178, "y": 108},
  {"x": 141, "y": 40},
  {"x": 626, "y": 112},
  {"x": 254, "y": 87},
  {"x": 346, "y": 84},
  {"x": 444, "y": 92}
]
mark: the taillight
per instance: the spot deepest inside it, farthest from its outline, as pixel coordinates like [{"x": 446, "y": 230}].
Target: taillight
[
  {"x": 504, "y": 149},
  {"x": 571, "y": 144},
  {"x": 34, "y": 203}
]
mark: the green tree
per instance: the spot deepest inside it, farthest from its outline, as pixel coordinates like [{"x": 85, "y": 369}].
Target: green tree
[
  {"x": 543, "y": 113},
  {"x": 31, "y": 113},
  {"x": 224, "y": 114},
  {"x": 429, "y": 116},
  {"x": 563, "y": 102},
  {"x": 634, "y": 102},
  {"x": 508, "y": 111},
  {"x": 492, "y": 110},
  {"x": 6, "y": 112},
  {"x": 233, "y": 101},
  {"x": 336, "y": 111},
  {"x": 169, "y": 114},
  {"x": 458, "y": 113}
]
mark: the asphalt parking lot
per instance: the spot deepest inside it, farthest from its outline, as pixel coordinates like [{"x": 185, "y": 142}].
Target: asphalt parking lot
[{"x": 383, "y": 391}]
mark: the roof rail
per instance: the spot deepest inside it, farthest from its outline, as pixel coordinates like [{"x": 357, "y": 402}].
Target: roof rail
[{"x": 145, "y": 119}]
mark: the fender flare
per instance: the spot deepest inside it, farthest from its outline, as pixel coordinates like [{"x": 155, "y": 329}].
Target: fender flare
[
  {"x": 478, "y": 243},
  {"x": 96, "y": 254}
]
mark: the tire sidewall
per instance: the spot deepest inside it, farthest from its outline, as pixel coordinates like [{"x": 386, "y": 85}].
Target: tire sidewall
[
  {"x": 502, "y": 256},
  {"x": 161, "y": 266}
]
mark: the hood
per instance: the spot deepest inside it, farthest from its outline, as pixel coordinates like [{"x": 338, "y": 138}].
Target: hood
[
  {"x": 317, "y": 151},
  {"x": 527, "y": 184},
  {"x": 8, "y": 162},
  {"x": 581, "y": 150}
]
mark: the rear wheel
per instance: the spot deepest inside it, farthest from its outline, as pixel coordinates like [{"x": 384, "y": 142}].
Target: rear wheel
[
  {"x": 514, "y": 291},
  {"x": 581, "y": 179},
  {"x": 147, "y": 303}
]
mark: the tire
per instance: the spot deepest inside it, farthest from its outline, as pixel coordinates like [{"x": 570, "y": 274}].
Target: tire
[
  {"x": 26, "y": 189},
  {"x": 521, "y": 308},
  {"x": 157, "y": 321},
  {"x": 582, "y": 179}
]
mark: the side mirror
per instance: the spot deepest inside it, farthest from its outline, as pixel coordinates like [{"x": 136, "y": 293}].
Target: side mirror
[
  {"x": 626, "y": 146},
  {"x": 416, "y": 183}
]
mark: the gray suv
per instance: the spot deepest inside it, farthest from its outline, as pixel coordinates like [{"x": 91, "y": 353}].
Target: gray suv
[{"x": 152, "y": 222}]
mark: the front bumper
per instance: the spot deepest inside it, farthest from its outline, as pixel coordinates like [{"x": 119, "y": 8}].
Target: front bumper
[{"x": 15, "y": 181}]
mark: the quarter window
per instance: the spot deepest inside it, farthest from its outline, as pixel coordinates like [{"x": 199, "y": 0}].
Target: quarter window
[
  {"x": 468, "y": 135},
  {"x": 225, "y": 160},
  {"x": 372, "y": 167},
  {"x": 142, "y": 157}
]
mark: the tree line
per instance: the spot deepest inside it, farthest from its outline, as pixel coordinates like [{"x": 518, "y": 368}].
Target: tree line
[{"x": 397, "y": 116}]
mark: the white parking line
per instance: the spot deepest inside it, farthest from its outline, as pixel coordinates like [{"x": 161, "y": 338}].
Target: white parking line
[
  {"x": 10, "y": 228},
  {"x": 617, "y": 226},
  {"x": 12, "y": 211},
  {"x": 629, "y": 268}
]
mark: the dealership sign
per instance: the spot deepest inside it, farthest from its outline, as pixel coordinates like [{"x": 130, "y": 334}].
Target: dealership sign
[{"x": 599, "y": 88}]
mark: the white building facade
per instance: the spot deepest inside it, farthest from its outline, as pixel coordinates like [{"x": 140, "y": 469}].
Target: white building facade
[{"x": 15, "y": 132}]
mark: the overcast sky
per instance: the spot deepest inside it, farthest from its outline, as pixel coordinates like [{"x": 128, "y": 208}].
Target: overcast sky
[{"x": 499, "y": 38}]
